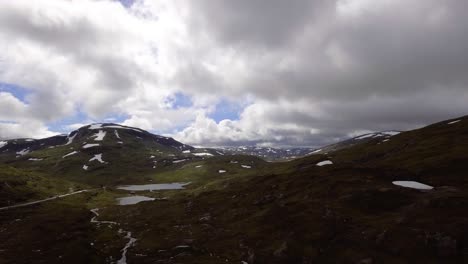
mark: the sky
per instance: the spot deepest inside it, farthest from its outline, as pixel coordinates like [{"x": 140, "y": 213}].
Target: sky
[{"x": 224, "y": 73}]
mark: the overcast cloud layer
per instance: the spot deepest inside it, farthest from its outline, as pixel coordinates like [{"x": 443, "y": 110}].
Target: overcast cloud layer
[{"x": 296, "y": 72}]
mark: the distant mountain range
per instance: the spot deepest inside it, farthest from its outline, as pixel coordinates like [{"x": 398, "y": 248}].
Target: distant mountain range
[{"x": 93, "y": 135}]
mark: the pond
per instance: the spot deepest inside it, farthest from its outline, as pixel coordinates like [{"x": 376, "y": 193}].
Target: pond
[
  {"x": 155, "y": 187},
  {"x": 133, "y": 200}
]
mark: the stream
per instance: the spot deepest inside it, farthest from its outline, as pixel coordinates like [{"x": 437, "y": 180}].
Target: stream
[{"x": 131, "y": 240}]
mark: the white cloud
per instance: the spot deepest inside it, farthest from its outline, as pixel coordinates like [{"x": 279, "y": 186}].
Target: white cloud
[{"x": 306, "y": 72}]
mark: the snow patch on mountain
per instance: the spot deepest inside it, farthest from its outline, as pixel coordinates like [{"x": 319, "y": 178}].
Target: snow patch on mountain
[
  {"x": 90, "y": 146},
  {"x": 100, "y": 135},
  {"x": 454, "y": 122},
  {"x": 85, "y": 167},
  {"x": 97, "y": 157},
  {"x": 69, "y": 154},
  {"x": 23, "y": 152},
  {"x": 70, "y": 139},
  {"x": 413, "y": 185},
  {"x": 116, "y": 133},
  {"x": 325, "y": 162},
  {"x": 3, "y": 143},
  {"x": 95, "y": 126},
  {"x": 366, "y": 136},
  {"x": 315, "y": 151},
  {"x": 202, "y": 154}
]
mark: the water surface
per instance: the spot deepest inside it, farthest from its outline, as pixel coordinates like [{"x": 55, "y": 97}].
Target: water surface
[
  {"x": 133, "y": 200},
  {"x": 154, "y": 187}
]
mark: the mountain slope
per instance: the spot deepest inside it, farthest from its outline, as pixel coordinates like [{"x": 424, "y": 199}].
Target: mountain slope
[
  {"x": 98, "y": 154},
  {"x": 346, "y": 212}
]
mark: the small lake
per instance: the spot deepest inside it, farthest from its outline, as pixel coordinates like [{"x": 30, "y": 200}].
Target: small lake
[
  {"x": 133, "y": 200},
  {"x": 155, "y": 187}
]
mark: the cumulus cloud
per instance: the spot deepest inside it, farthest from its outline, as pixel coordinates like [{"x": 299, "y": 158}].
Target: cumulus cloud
[{"x": 303, "y": 72}]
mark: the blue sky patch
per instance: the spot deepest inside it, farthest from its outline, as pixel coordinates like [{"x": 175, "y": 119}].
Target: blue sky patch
[
  {"x": 181, "y": 100},
  {"x": 16, "y": 90},
  {"x": 226, "y": 109},
  {"x": 127, "y": 3}
]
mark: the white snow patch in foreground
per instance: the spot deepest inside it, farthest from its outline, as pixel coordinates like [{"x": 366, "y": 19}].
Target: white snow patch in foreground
[
  {"x": 69, "y": 154},
  {"x": 34, "y": 159},
  {"x": 70, "y": 139},
  {"x": 325, "y": 162},
  {"x": 90, "y": 146},
  {"x": 179, "y": 161},
  {"x": 234, "y": 161},
  {"x": 85, "y": 167},
  {"x": 186, "y": 151},
  {"x": 202, "y": 154},
  {"x": 100, "y": 135},
  {"x": 198, "y": 166},
  {"x": 454, "y": 122},
  {"x": 97, "y": 157},
  {"x": 222, "y": 171},
  {"x": 246, "y": 166},
  {"x": 3, "y": 143},
  {"x": 385, "y": 140},
  {"x": 413, "y": 184}
]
